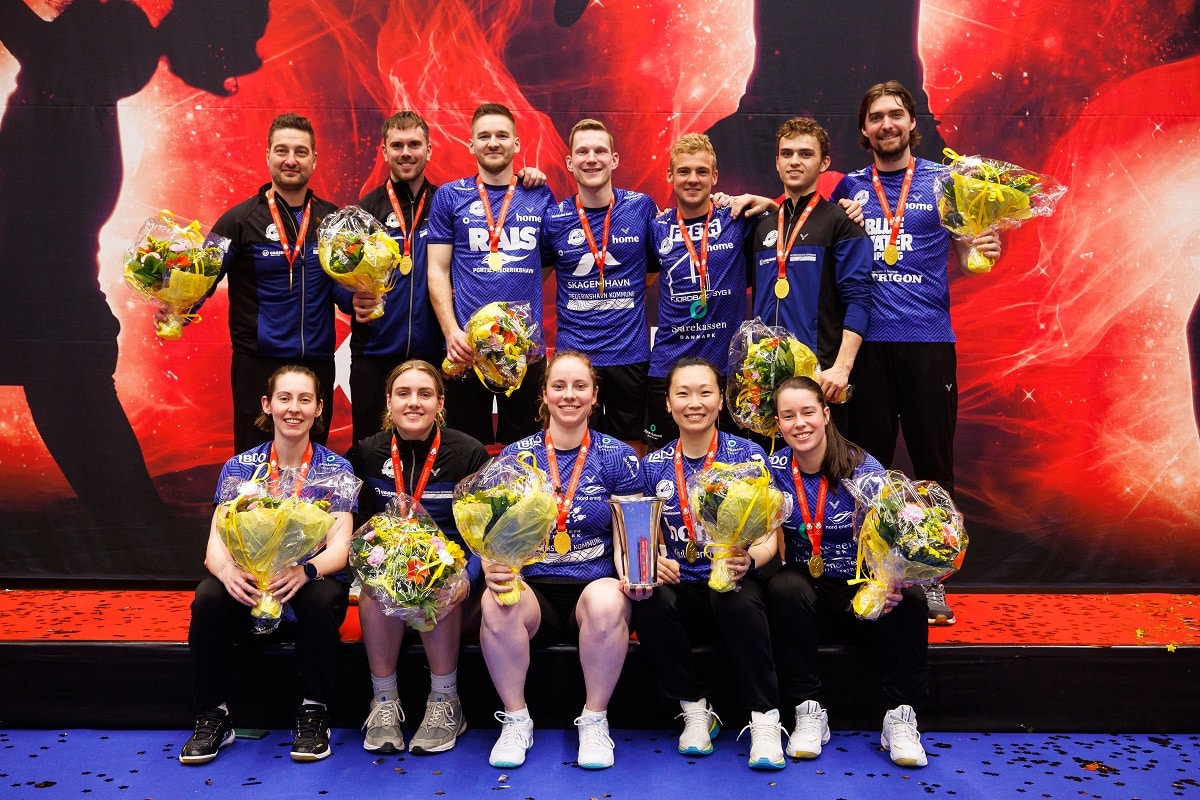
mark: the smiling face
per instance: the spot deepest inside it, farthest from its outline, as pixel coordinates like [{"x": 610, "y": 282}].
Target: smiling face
[
  {"x": 888, "y": 127},
  {"x": 802, "y": 420},
  {"x": 407, "y": 151},
  {"x": 694, "y": 399},
  {"x": 291, "y": 158},
  {"x": 592, "y": 159},
  {"x": 293, "y": 405},
  {"x": 494, "y": 143},
  {"x": 799, "y": 163},
  {"x": 692, "y": 177},
  {"x": 413, "y": 403},
  {"x": 570, "y": 392}
]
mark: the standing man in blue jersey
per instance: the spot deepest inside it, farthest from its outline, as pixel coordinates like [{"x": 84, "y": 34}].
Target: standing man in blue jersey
[
  {"x": 905, "y": 374},
  {"x": 408, "y": 327},
  {"x": 484, "y": 246},
  {"x": 702, "y": 279},
  {"x": 601, "y": 245},
  {"x": 812, "y": 264},
  {"x": 280, "y": 300}
]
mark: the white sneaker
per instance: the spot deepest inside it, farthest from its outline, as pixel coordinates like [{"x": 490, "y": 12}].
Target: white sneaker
[
  {"x": 595, "y": 745},
  {"x": 516, "y": 737},
  {"x": 812, "y": 731},
  {"x": 901, "y": 737},
  {"x": 700, "y": 726},
  {"x": 765, "y": 750}
]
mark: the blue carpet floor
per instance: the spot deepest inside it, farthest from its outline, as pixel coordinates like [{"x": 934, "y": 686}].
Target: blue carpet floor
[{"x": 52, "y": 765}]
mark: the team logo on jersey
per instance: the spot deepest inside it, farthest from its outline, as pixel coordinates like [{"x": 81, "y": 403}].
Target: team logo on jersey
[
  {"x": 664, "y": 489},
  {"x": 476, "y": 209},
  {"x": 587, "y": 262},
  {"x": 272, "y": 232},
  {"x": 391, "y": 220},
  {"x": 665, "y": 246},
  {"x": 387, "y": 469},
  {"x": 861, "y": 197},
  {"x": 770, "y": 239},
  {"x": 575, "y": 237}
]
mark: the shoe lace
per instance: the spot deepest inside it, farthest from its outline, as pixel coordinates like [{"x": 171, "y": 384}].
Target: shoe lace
[
  {"x": 936, "y": 593},
  {"x": 439, "y": 714},
  {"x": 700, "y": 717},
  {"x": 513, "y": 730},
  {"x": 208, "y": 723},
  {"x": 809, "y": 725},
  {"x": 903, "y": 732},
  {"x": 387, "y": 714},
  {"x": 762, "y": 729},
  {"x": 310, "y": 723},
  {"x": 594, "y": 732}
]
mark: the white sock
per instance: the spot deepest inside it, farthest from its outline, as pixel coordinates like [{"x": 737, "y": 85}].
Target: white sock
[
  {"x": 385, "y": 688},
  {"x": 589, "y": 714},
  {"x": 687, "y": 705},
  {"x": 307, "y": 702},
  {"x": 519, "y": 714},
  {"x": 444, "y": 684}
]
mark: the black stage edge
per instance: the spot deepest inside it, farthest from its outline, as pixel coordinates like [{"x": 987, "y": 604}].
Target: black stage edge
[{"x": 973, "y": 688}]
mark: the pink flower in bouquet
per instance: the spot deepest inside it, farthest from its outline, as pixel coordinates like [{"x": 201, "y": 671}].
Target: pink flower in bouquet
[
  {"x": 949, "y": 536},
  {"x": 912, "y": 513},
  {"x": 376, "y": 556}
]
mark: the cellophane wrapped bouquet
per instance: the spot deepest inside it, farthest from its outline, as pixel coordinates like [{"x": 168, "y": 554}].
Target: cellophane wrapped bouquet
[
  {"x": 357, "y": 252},
  {"x": 506, "y": 341},
  {"x": 268, "y": 525},
  {"x": 505, "y": 513},
  {"x": 173, "y": 266},
  {"x": 908, "y": 532},
  {"x": 978, "y": 193},
  {"x": 732, "y": 505},
  {"x": 761, "y": 357},
  {"x": 405, "y": 562}
]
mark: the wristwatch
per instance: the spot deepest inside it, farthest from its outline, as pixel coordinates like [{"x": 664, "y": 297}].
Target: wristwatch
[{"x": 310, "y": 571}]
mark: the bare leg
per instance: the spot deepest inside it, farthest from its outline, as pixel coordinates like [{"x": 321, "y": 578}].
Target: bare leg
[
  {"x": 504, "y": 636},
  {"x": 603, "y": 616}
]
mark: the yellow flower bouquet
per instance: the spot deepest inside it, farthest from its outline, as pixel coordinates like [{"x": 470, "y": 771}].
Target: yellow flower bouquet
[
  {"x": 761, "y": 357},
  {"x": 732, "y": 505},
  {"x": 505, "y": 513},
  {"x": 505, "y": 340},
  {"x": 173, "y": 266},
  {"x": 357, "y": 252}
]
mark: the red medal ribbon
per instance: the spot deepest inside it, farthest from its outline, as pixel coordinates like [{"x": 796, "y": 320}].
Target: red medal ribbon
[
  {"x": 600, "y": 253},
  {"x": 813, "y": 522},
  {"x": 289, "y": 252},
  {"x": 894, "y": 221},
  {"x": 681, "y": 484},
  {"x": 400, "y": 215},
  {"x": 699, "y": 260},
  {"x": 398, "y": 466},
  {"x": 301, "y": 473},
  {"x": 495, "y": 226},
  {"x": 564, "y": 500},
  {"x": 781, "y": 250}
]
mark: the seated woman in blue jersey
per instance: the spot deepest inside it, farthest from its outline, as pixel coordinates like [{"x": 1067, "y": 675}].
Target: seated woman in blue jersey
[
  {"x": 416, "y": 455},
  {"x": 808, "y": 599},
  {"x": 291, "y": 410},
  {"x": 683, "y": 608},
  {"x": 573, "y": 592}
]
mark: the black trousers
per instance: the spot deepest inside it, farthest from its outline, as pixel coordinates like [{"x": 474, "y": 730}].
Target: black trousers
[
  {"x": 909, "y": 385},
  {"x": 676, "y": 616},
  {"x": 469, "y": 407},
  {"x": 218, "y": 621},
  {"x": 806, "y": 611},
  {"x": 248, "y": 375}
]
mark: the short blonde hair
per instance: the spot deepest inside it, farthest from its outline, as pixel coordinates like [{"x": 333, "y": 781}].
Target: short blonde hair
[{"x": 691, "y": 143}]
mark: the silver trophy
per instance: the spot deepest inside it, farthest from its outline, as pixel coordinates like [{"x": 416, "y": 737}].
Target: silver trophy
[{"x": 636, "y": 536}]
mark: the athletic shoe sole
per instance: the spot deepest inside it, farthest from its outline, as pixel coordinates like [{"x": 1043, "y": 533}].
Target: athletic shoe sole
[{"x": 418, "y": 750}]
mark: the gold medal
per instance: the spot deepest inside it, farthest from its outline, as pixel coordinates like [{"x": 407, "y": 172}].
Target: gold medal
[
  {"x": 495, "y": 261},
  {"x": 602, "y": 283},
  {"x": 404, "y": 264},
  {"x": 782, "y": 287},
  {"x": 816, "y": 565},
  {"x": 691, "y": 552},
  {"x": 562, "y": 543},
  {"x": 891, "y": 254}
]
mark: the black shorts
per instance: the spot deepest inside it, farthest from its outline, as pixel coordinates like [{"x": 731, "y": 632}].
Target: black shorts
[
  {"x": 558, "y": 600},
  {"x": 622, "y": 407}
]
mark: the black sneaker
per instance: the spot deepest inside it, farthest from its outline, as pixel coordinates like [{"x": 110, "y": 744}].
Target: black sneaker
[
  {"x": 940, "y": 612},
  {"x": 312, "y": 734},
  {"x": 214, "y": 732}
]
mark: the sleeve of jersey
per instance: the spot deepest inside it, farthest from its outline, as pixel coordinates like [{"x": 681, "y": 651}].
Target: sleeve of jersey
[
  {"x": 229, "y": 469},
  {"x": 544, "y": 238},
  {"x": 647, "y": 212},
  {"x": 623, "y": 465},
  {"x": 441, "y": 217},
  {"x": 854, "y": 259},
  {"x": 841, "y": 191}
]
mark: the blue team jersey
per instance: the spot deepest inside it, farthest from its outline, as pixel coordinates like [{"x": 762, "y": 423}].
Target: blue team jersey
[
  {"x": 679, "y": 333},
  {"x": 829, "y": 275},
  {"x": 610, "y": 468},
  {"x": 658, "y": 474},
  {"x": 409, "y": 327},
  {"x": 610, "y": 328},
  {"x": 244, "y": 465},
  {"x": 458, "y": 218},
  {"x": 838, "y": 545},
  {"x": 911, "y": 298}
]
